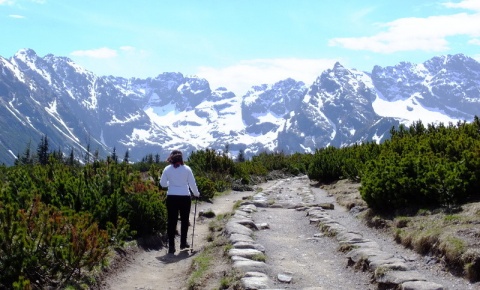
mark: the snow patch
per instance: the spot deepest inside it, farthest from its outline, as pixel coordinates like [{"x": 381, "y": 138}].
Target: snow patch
[{"x": 409, "y": 110}]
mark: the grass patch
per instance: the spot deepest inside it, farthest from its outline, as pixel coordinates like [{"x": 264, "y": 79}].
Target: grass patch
[
  {"x": 259, "y": 257},
  {"x": 452, "y": 219},
  {"x": 453, "y": 248},
  {"x": 211, "y": 268},
  {"x": 199, "y": 267},
  {"x": 237, "y": 204},
  {"x": 227, "y": 248}
]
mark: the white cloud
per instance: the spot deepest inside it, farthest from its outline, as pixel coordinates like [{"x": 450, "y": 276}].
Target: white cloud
[
  {"x": 426, "y": 34},
  {"x": 241, "y": 77},
  {"x": 16, "y": 16},
  {"x": 12, "y": 2},
  {"x": 103, "y": 52},
  {"x": 466, "y": 4},
  {"x": 475, "y": 41}
]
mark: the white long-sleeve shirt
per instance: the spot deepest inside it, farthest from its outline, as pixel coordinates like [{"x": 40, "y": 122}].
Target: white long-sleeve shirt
[{"x": 179, "y": 180}]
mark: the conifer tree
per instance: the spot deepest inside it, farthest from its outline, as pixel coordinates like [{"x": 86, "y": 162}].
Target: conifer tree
[
  {"x": 114, "y": 156},
  {"x": 241, "y": 156},
  {"x": 126, "y": 157},
  {"x": 42, "y": 151}
]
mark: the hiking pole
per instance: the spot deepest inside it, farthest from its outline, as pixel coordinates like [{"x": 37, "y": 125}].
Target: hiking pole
[{"x": 194, "y": 217}]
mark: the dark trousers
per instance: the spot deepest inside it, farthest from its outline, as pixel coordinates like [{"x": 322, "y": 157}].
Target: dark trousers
[{"x": 177, "y": 204}]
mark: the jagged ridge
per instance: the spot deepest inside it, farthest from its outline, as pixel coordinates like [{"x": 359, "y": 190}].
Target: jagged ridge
[{"x": 53, "y": 96}]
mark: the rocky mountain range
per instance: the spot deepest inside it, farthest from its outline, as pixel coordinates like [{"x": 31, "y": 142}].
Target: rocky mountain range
[{"x": 81, "y": 112}]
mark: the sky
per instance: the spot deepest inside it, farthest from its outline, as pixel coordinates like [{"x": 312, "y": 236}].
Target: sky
[{"x": 239, "y": 43}]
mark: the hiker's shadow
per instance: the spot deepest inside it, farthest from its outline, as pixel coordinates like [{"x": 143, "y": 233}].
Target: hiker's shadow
[{"x": 173, "y": 258}]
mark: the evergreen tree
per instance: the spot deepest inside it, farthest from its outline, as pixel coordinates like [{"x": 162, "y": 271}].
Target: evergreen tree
[
  {"x": 126, "y": 157},
  {"x": 71, "y": 158},
  {"x": 57, "y": 155},
  {"x": 27, "y": 158},
  {"x": 42, "y": 151},
  {"x": 96, "y": 155},
  {"x": 114, "y": 156},
  {"x": 87, "y": 154},
  {"x": 241, "y": 156}
]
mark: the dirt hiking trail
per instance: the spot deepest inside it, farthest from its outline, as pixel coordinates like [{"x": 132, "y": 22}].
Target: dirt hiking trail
[
  {"x": 155, "y": 269},
  {"x": 297, "y": 254}
]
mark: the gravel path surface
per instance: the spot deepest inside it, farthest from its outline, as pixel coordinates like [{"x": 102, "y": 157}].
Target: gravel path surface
[
  {"x": 298, "y": 248},
  {"x": 294, "y": 248}
]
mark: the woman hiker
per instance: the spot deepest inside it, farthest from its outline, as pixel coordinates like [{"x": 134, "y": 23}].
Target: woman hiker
[{"x": 179, "y": 179}]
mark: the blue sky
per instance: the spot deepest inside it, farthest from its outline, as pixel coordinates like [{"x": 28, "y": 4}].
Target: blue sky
[{"x": 239, "y": 43}]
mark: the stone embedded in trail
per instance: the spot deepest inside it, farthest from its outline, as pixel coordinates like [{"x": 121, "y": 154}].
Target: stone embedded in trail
[
  {"x": 398, "y": 277},
  {"x": 247, "y": 253},
  {"x": 284, "y": 277},
  {"x": 333, "y": 227},
  {"x": 236, "y": 228},
  {"x": 390, "y": 264},
  {"x": 349, "y": 236},
  {"x": 326, "y": 205},
  {"x": 255, "y": 280},
  {"x": 302, "y": 208},
  {"x": 365, "y": 254},
  {"x": 288, "y": 205},
  {"x": 263, "y": 226},
  {"x": 250, "y": 266},
  {"x": 238, "y": 258},
  {"x": 245, "y": 245},
  {"x": 248, "y": 208},
  {"x": 317, "y": 212},
  {"x": 384, "y": 265},
  {"x": 245, "y": 222},
  {"x": 257, "y": 203},
  {"x": 242, "y": 214},
  {"x": 421, "y": 285},
  {"x": 361, "y": 243},
  {"x": 235, "y": 238}
]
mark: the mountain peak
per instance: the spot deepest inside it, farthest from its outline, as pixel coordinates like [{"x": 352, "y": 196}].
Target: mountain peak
[
  {"x": 338, "y": 66},
  {"x": 26, "y": 54}
]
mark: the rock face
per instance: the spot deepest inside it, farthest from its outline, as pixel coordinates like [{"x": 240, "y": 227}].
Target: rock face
[{"x": 80, "y": 111}]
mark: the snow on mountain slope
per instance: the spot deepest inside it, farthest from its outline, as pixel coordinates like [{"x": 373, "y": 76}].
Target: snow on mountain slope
[
  {"x": 410, "y": 110},
  {"x": 77, "y": 109}
]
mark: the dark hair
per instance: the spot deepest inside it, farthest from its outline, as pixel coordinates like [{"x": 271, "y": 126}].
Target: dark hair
[{"x": 175, "y": 158}]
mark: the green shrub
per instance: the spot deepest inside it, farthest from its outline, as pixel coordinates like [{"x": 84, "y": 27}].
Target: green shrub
[{"x": 206, "y": 188}]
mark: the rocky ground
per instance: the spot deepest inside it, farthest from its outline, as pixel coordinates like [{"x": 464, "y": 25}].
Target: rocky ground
[{"x": 288, "y": 235}]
